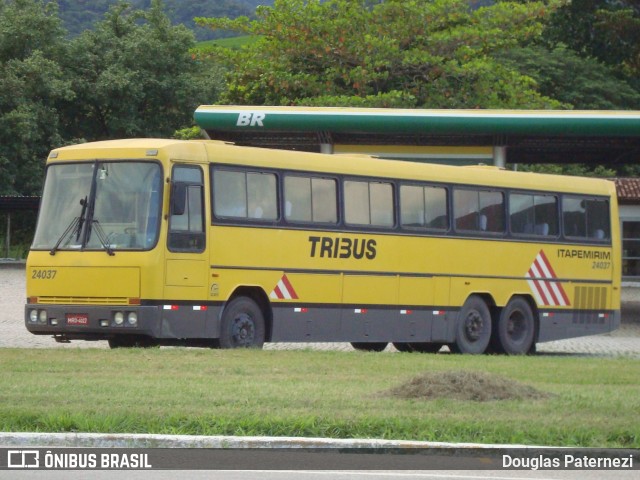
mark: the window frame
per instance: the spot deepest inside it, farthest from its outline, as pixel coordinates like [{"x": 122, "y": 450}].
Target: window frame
[
  {"x": 633, "y": 259},
  {"x": 192, "y": 236},
  {"x": 479, "y": 231},
  {"x": 311, "y": 176},
  {"x": 533, "y": 235},
  {"x": 586, "y": 238},
  {"x": 397, "y": 228},
  {"x": 392, "y": 183},
  {"x": 425, "y": 228},
  {"x": 246, "y": 218}
]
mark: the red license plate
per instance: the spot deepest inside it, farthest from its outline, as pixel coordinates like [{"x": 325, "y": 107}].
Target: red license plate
[{"x": 77, "y": 319}]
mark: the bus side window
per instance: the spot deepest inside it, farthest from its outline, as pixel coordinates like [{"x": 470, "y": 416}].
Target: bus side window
[
  {"x": 598, "y": 219},
  {"x": 491, "y": 209},
  {"x": 521, "y": 214},
  {"x": 245, "y": 195},
  {"x": 533, "y": 214},
  {"x": 546, "y": 215},
  {"x": 586, "y": 218},
  {"x": 310, "y": 199},
  {"x": 186, "y": 221},
  {"x": 423, "y": 207},
  {"x": 262, "y": 198},
  {"x": 574, "y": 217},
  {"x": 465, "y": 209},
  {"x": 368, "y": 203},
  {"x": 478, "y": 210}
]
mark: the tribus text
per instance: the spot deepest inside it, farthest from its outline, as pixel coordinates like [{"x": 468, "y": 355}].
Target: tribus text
[{"x": 328, "y": 247}]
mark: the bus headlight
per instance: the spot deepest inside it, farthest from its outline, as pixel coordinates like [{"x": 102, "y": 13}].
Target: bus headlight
[
  {"x": 132, "y": 319},
  {"x": 118, "y": 318},
  {"x": 33, "y": 316},
  {"x": 42, "y": 317}
]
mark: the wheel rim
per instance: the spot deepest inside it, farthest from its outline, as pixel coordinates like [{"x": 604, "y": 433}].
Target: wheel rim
[
  {"x": 473, "y": 326},
  {"x": 517, "y": 326},
  {"x": 243, "y": 330}
]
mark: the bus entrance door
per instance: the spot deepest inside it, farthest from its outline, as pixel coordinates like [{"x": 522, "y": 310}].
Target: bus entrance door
[{"x": 185, "y": 286}]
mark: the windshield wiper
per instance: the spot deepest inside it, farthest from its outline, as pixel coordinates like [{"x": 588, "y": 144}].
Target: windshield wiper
[
  {"x": 104, "y": 239},
  {"x": 76, "y": 223},
  {"x": 81, "y": 218}
]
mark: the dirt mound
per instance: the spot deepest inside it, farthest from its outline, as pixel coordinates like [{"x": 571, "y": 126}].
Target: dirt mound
[{"x": 464, "y": 385}]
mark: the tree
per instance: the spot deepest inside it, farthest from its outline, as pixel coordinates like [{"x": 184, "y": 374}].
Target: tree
[
  {"x": 608, "y": 30},
  {"x": 588, "y": 57},
  {"x": 417, "y": 53},
  {"x": 571, "y": 169},
  {"x": 31, "y": 85},
  {"x": 81, "y": 15},
  {"x": 135, "y": 76},
  {"x": 583, "y": 83}
]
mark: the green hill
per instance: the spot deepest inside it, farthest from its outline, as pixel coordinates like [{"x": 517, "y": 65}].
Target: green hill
[{"x": 80, "y": 15}]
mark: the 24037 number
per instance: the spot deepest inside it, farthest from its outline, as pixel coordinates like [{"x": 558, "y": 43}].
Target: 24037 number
[
  {"x": 38, "y": 274},
  {"x": 601, "y": 265}
]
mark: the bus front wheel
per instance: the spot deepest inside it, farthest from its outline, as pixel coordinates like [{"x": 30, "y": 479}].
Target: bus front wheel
[
  {"x": 515, "y": 328},
  {"x": 242, "y": 324},
  {"x": 473, "y": 330}
]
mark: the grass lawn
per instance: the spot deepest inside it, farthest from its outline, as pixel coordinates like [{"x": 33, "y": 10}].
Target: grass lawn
[{"x": 577, "y": 401}]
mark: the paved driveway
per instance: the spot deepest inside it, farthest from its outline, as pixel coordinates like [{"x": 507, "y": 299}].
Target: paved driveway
[{"x": 625, "y": 341}]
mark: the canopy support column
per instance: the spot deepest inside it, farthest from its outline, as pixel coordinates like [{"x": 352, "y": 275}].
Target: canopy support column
[
  {"x": 500, "y": 156},
  {"x": 326, "y": 142},
  {"x": 8, "y": 236}
]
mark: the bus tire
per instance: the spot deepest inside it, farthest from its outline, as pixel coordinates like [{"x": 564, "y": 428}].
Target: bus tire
[
  {"x": 516, "y": 327},
  {"x": 242, "y": 324},
  {"x": 473, "y": 328},
  {"x": 369, "y": 346}
]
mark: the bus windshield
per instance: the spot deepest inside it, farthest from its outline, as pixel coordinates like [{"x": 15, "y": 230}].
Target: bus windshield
[{"x": 100, "y": 205}]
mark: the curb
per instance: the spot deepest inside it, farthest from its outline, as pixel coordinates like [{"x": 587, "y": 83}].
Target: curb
[
  {"x": 134, "y": 440},
  {"x": 11, "y": 263}
]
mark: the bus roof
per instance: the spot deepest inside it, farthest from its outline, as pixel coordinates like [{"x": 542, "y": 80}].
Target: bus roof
[
  {"x": 363, "y": 165},
  {"x": 129, "y": 149},
  {"x": 206, "y": 151}
]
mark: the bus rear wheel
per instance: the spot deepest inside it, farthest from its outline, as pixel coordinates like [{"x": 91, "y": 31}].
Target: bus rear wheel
[
  {"x": 473, "y": 329},
  {"x": 369, "y": 346},
  {"x": 242, "y": 324},
  {"x": 516, "y": 327}
]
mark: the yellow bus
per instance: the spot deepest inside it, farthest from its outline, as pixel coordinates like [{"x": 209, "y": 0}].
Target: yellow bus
[{"x": 202, "y": 243}]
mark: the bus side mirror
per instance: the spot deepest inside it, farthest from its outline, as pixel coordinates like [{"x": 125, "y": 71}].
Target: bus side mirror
[{"x": 178, "y": 198}]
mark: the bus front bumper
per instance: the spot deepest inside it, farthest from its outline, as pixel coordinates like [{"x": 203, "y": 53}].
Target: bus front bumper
[{"x": 75, "y": 322}]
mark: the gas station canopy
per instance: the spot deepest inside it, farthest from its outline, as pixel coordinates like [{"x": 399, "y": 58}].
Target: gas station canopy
[{"x": 451, "y": 136}]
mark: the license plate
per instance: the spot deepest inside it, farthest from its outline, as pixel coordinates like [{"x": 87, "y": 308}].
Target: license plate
[{"x": 77, "y": 319}]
